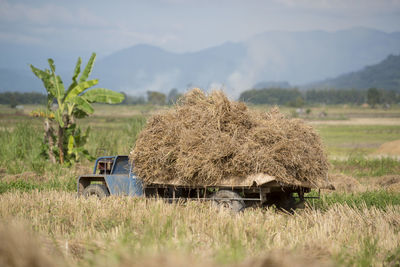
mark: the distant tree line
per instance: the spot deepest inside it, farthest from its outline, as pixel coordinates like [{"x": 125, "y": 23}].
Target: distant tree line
[
  {"x": 16, "y": 98},
  {"x": 294, "y": 97},
  {"x": 133, "y": 100},
  {"x": 153, "y": 97},
  {"x": 334, "y": 96},
  {"x": 273, "y": 96}
]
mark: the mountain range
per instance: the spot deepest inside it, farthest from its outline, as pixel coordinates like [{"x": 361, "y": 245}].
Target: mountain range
[
  {"x": 385, "y": 74},
  {"x": 300, "y": 58}
]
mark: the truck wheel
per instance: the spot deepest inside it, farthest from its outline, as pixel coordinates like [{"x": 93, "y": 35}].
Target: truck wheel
[
  {"x": 229, "y": 200},
  {"x": 283, "y": 201},
  {"x": 97, "y": 190},
  {"x": 287, "y": 202}
]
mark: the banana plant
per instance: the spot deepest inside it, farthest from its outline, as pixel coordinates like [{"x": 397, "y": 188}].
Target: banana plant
[
  {"x": 76, "y": 142},
  {"x": 73, "y": 102}
]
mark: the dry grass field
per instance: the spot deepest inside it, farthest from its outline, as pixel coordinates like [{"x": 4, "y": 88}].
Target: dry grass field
[
  {"x": 43, "y": 223},
  {"x": 122, "y": 230}
]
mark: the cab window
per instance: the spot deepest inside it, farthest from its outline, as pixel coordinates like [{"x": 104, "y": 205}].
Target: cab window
[
  {"x": 121, "y": 165},
  {"x": 104, "y": 166}
]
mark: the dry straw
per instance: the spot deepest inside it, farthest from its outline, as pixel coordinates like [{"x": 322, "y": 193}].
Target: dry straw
[{"x": 205, "y": 139}]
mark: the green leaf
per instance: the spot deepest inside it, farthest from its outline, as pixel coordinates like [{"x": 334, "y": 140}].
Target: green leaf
[
  {"x": 88, "y": 69},
  {"x": 80, "y": 88},
  {"x": 102, "y": 95},
  {"x": 77, "y": 70},
  {"x": 60, "y": 85},
  {"x": 87, "y": 132},
  {"x": 45, "y": 77},
  {"x": 40, "y": 73},
  {"x": 70, "y": 144},
  {"x": 79, "y": 114},
  {"x": 51, "y": 64},
  {"x": 82, "y": 104},
  {"x": 56, "y": 83},
  {"x": 58, "y": 117},
  {"x": 50, "y": 99},
  {"x": 75, "y": 76},
  {"x": 86, "y": 154}
]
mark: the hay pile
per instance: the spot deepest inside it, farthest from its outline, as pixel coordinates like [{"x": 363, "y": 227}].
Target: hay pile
[
  {"x": 389, "y": 182},
  {"x": 207, "y": 138},
  {"x": 389, "y": 148},
  {"x": 345, "y": 183}
]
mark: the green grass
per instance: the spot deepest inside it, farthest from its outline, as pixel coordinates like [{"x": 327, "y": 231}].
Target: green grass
[
  {"x": 337, "y": 111},
  {"x": 364, "y": 257},
  {"x": 68, "y": 185},
  {"x": 116, "y": 139},
  {"x": 22, "y": 146},
  {"x": 360, "y": 166},
  {"x": 393, "y": 258},
  {"x": 342, "y": 140},
  {"x": 22, "y": 154},
  {"x": 379, "y": 199},
  {"x": 21, "y": 149}
]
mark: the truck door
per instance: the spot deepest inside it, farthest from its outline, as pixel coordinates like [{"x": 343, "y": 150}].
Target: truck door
[{"x": 121, "y": 181}]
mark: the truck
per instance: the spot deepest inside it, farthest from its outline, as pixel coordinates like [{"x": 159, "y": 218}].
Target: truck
[{"x": 114, "y": 175}]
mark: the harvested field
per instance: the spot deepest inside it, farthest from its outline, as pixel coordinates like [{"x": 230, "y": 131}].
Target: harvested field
[
  {"x": 360, "y": 121},
  {"x": 44, "y": 224},
  {"x": 208, "y": 138},
  {"x": 21, "y": 247},
  {"x": 122, "y": 231}
]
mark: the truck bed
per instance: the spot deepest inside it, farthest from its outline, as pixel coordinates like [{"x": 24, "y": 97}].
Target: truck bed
[{"x": 256, "y": 180}]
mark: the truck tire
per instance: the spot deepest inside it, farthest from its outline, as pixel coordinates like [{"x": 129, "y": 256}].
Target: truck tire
[
  {"x": 229, "y": 200},
  {"x": 98, "y": 190},
  {"x": 283, "y": 201},
  {"x": 288, "y": 203}
]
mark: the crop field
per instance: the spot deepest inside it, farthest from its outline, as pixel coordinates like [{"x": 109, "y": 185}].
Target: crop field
[{"x": 43, "y": 223}]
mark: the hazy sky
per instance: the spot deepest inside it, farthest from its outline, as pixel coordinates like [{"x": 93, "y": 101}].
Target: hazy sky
[{"x": 179, "y": 25}]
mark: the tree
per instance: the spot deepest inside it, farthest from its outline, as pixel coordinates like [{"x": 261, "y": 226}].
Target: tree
[
  {"x": 156, "y": 98},
  {"x": 274, "y": 96},
  {"x": 173, "y": 96},
  {"x": 297, "y": 103},
  {"x": 73, "y": 103},
  {"x": 335, "y": 96},
  {"x": 17, "y": 98},
  {"x": 373, "y": 97}
]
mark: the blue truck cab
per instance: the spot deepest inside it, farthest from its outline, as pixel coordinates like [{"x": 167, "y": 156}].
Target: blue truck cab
[{"x": 112, "y": 175}]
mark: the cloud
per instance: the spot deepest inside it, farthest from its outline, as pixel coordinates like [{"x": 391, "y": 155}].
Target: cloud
[
  {"x": 67, "y": 26},
  {"x": 48, "y": 14},
  {"x": 369, "y": 6},
  {"x": 163, "y": 82},
  {"x": 263, "y": 61},
  {"x": 20, "y": 38},
  {"x": 26, "y": 24},
  {"x": 128, "y": 36}
]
